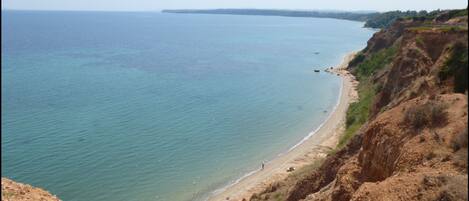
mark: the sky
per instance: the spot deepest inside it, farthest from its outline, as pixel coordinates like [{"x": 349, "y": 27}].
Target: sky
[{"x": 156, "y": 5}]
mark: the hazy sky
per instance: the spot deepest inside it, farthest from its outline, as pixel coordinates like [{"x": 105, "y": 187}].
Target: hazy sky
[{"x": 151, "y": 5}]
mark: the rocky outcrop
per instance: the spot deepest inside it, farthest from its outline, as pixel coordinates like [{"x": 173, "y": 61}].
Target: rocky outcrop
[{"x": 14, "y": 191}]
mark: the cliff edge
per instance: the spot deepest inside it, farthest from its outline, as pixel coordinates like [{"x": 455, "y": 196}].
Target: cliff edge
[
  {"x": 406, "y": 136},
  {"x": 14, "y": 191}
]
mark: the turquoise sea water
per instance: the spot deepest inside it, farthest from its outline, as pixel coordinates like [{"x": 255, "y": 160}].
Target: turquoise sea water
[{"x": 114, "y": 106}]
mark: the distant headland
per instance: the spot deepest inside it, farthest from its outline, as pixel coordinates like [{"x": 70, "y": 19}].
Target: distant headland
[{"x": 372, "y": 19}]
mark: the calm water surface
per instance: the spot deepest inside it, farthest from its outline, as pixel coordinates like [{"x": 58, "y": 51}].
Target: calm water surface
[{"x": 146, "y": 106}]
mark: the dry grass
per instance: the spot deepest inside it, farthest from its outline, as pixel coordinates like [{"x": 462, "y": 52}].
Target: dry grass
[
  {"x": 460, "y": 141},
  {"x": 430, "y": 114}
]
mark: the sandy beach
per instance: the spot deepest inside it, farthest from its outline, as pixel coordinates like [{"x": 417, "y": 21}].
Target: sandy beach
[{"x": 312, "y": 149}]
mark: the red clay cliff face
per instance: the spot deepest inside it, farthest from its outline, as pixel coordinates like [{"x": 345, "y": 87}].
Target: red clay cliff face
[
  {"x": 414, "y": 146},
  {"x": 326, "y": 173},
  {"x": 401, "y": 158},
  {"x": 385, "y": 38},
  {"x": 396, "y": 162},
  {"x": 414, "y": 71},
  {"x": 391, "y": 145}
]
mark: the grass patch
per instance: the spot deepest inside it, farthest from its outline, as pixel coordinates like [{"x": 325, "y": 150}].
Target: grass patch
[
  {"x": 305, "y": 170},
  {"x": 358, "y": 112},
  {"x": 375, "y": 62},
  {"x": 278, "y": 196},
  {"x": 443, "y": 28},
  {"x": 456, "y": 67},
  {"x": 348, "y": 134}
]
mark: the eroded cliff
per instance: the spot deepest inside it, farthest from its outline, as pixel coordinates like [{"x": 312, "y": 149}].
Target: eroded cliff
[{"x": 406, "y": 137}]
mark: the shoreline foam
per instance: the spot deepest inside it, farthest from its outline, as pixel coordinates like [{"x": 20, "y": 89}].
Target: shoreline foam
[
  {"x": 298, "y": 155},
  {"x": 222, "y": 189}
]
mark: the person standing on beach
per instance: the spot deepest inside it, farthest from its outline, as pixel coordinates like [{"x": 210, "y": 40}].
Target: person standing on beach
[{"x": 262, "y": 165}]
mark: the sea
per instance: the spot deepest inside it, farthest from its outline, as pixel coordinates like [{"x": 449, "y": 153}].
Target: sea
[{"x": 150, "y": 106}]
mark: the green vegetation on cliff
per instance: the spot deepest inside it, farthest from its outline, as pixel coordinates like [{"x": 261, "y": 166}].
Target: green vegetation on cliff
[
  {"x": 375, "y": 62},
  {"x": 384, "y": 20},
  {"x": 387, "y": 18},
  {"x": 358, "y": 112},
  {"x": 455, "y": 67},
  {"x": 410, "y": 101}
]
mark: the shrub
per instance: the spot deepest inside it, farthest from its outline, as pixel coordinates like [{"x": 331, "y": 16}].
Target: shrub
[
  {"x": 430, "y": 155},
  {"x": 387, "y": 18},
  {"x": 458, "y": 13},
  {"x": 379, "y": 87},
  {"x": 429, "y": 114},
  {"x": 254, "y": 196},
  {"x": 456, "y": 67},
  {"x": 459, "y": 141},
  {"x": 357, "y": 59},
  {"x": 271, "y": 188}
]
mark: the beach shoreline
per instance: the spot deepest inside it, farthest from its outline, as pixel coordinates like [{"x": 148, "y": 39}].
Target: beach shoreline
[{"x": 308, "y": 150}]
